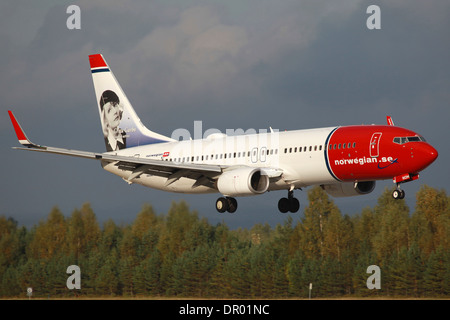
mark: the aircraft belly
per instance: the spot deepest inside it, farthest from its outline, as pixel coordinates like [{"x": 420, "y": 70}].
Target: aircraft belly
[{"x": 182, "y": 185}]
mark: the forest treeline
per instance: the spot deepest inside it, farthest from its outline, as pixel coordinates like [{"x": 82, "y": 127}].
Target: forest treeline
[{"x": 179, "y": 254}]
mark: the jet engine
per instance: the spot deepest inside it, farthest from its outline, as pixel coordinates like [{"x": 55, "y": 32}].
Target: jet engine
[
  {"x": 348, "y": 189},
  {"x": 243, "y": 182}
]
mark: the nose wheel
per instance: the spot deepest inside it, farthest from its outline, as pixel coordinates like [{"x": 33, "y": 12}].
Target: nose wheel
[
  {"x": 289, "y": 204},
  {"x": 398, "y": 194}
]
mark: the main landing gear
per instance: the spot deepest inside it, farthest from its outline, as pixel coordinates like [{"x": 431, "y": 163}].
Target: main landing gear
[
  {"x": 290, "y": 203},
  {"x": 226, "y": 204}
]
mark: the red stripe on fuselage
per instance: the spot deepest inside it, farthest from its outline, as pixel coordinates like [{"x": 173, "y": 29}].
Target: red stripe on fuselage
[{"x": 361, "y": 153}]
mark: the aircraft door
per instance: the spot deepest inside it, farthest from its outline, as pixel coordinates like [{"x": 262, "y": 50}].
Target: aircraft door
[
  {"x": 263, "y": 154},
  {"x": 374, "y": 148},
  {"x": 254, "y": 156}
]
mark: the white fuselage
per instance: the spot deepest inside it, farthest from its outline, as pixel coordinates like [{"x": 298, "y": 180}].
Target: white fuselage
[{"x": 299, "y": 155}]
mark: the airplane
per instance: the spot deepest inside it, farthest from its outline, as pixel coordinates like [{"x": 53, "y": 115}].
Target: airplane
[{"x": 343, "y": 160}]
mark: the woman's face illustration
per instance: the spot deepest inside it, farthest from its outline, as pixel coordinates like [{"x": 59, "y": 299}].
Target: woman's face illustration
[{"x": 112, "y": 114}]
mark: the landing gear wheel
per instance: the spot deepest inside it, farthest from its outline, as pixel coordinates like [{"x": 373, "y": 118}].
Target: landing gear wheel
[
  {"x": 222, "y": 205},
  {"x": 294, "y": 205},
  {"x": 283, "y": 205},
  {"x": 226, "y": 204},
  {"x": 232, "y": 205},
  {"x": 398, "y": 194},
  {"x": 290, "y": 204}
]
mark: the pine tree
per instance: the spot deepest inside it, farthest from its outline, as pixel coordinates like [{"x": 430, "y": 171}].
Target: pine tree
[
  {"x": 360, "y": 275},
  {"x": 127, "y": 266},
  {"x": 9, "y": 282},
  {"x": 91, "y": 229},
  {"x": 296, "y": 282},
  {"x": 392, "y": 225},
  {"x": 236, "y": 270},
  {"x": 152, "y": 267},
  {"x": 318, "y": 237},
  {"x": 364, "y": 230},
  {"x": 145, "y": 232},
  {"x": 436, "y": 274},
  {"x": 431, "y": 219},
  {"x": 75, "y": 235},
  {"x": 107, "y": 280},
  {"x": 178, "y": 222},
  {"x": 49, "y": 237}
]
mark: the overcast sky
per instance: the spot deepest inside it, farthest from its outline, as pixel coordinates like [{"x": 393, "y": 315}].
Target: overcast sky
[{"x": 231, "y": 64}]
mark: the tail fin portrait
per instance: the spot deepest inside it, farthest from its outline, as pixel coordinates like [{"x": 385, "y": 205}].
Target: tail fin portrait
[{"x": 121, "y": 126}]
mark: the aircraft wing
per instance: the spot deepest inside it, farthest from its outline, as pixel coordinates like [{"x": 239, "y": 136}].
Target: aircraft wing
[
  {"x": 205, "y": 174},
  {"x": 135, "y": 164}
]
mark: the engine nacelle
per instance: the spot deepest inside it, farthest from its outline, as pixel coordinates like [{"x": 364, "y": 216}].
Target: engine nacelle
[
  {"x": 349, "y": 189},
  {"x": 243, "y": 182}
]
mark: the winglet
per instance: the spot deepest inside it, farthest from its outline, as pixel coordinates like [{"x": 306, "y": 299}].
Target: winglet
[
  {"x": 23, "y": 139},
  {"x": 390, "y": 121}
]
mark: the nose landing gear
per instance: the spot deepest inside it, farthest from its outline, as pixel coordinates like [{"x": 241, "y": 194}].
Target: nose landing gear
[
  {"x": 398, "y": 193},
  {"x": 407, "y": 177}
]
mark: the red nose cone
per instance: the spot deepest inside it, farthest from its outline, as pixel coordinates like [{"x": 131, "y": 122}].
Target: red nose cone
[
  {"x": 433, "y": 154},
  {"x": 426, "y": 154}
]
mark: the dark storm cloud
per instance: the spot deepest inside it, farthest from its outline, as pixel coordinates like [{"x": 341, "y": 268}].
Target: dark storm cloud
[{"x": 232, "y": 64}]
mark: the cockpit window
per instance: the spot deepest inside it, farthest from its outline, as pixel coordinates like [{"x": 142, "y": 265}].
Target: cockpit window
[{"x": 403, "y": 140}]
